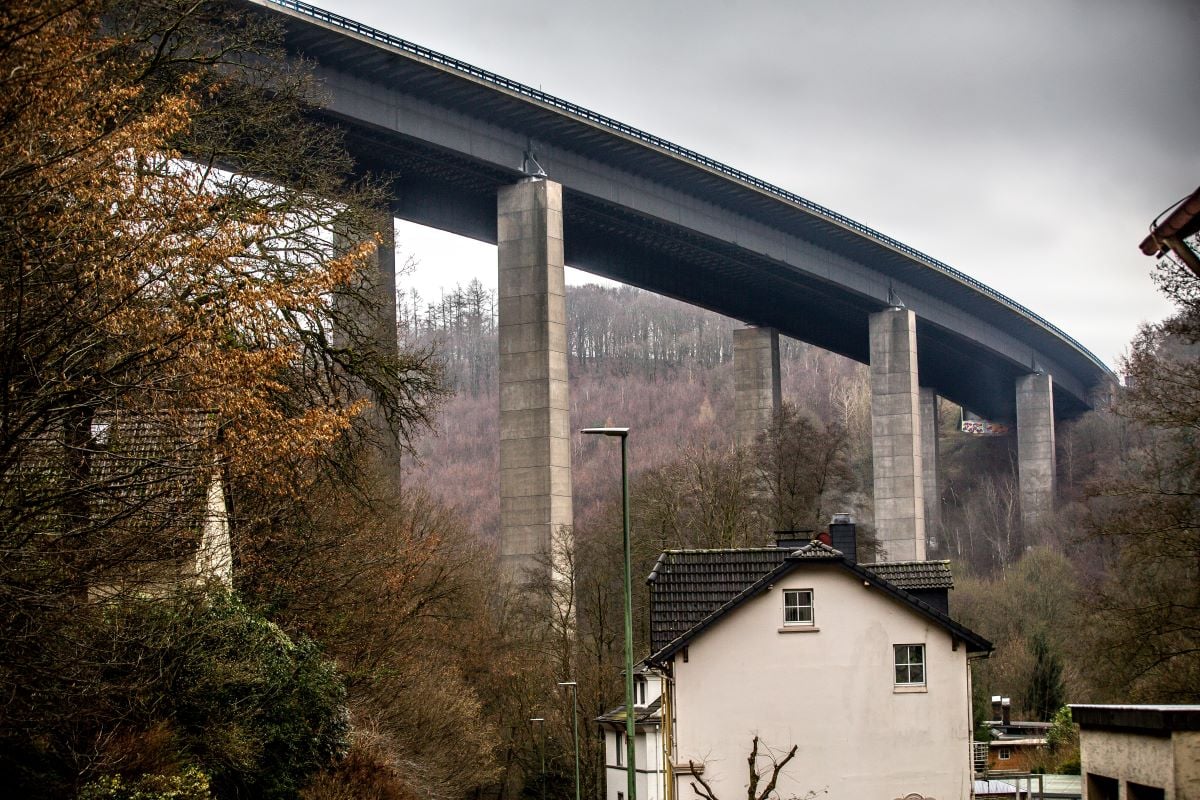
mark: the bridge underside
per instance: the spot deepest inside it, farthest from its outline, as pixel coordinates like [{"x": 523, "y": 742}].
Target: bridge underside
[
  {"x": 442, "y": 190},
  {"x": 452, "y": 140}
]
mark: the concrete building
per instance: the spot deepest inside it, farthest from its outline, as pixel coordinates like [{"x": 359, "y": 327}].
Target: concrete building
[
  {"x": 858, "y": 665},
  {"x": 1139, "y": 752}
]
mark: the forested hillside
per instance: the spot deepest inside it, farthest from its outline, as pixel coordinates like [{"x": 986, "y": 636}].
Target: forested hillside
[
  {"x": 661, "y": 367},
  {"x": 665, "y": 370}
]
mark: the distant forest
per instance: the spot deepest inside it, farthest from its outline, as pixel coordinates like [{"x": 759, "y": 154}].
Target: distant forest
[{"x": 664, "y": 368}]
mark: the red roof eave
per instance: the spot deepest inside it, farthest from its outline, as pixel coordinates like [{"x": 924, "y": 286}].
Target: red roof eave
[{"x": 1182, "y": 222}]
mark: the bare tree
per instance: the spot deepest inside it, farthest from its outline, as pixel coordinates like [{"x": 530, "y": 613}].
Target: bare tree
[
  {"x": 775, "y": 766},
  {"x": 804, "y": 466}
]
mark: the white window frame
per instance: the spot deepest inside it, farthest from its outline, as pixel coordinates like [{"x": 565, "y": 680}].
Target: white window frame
[
  {"x": 1005, "y": 753},
  {"x": 799, "y": 606},
  {"x": 619, "y": 736},
  {"x": 907, "y": 664},
  {"x": 639, "y": 691}
]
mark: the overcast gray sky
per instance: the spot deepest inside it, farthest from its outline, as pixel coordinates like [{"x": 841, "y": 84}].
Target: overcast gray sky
[{"x": 1028, "y": 143}]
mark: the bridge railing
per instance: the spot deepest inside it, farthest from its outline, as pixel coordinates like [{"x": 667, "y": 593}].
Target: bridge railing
[{"x": 690, "y": 155}]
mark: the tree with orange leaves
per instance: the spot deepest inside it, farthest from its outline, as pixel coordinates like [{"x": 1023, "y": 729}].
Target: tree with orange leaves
[{"x": 166, "y": 208}]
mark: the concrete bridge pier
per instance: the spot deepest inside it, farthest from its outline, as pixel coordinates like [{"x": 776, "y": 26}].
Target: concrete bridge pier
[
  {"x": 535, "y": 429},
  {"x": 1035, "y": 446},
  {"x": 381, "y": 325},
  {"x": 931, "y": 485},
  {"x": 757, "y": 394},
  {"x": 896, "y": 436}
]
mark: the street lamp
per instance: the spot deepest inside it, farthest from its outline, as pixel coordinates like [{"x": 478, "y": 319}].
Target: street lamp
[
  {"x": 542, "y": 750},
  {"x": 575, "y": 727},
  {"x": 630, "y": 728}
]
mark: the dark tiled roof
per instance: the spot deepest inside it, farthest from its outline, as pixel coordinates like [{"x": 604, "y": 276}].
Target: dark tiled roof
[
  {"x": 688, "y": 585},
  {"x": 146, "y": 472},
  {"x": 910, "y": 575},
  {"x": 688, "y": 588},
  {"x": 642, "y": 714}
]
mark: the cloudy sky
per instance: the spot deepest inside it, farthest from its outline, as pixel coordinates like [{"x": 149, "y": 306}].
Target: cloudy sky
[{"x": 1028, "y": 143}]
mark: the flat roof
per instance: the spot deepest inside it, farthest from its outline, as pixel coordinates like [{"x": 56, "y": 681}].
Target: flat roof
[{"x": 1150, "y": 718}]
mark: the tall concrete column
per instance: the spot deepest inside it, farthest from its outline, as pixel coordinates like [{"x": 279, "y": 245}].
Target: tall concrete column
[
  {"x": 535, "y": 453},
  {"x": 382, "y": 322},
  {"x": 929, "y": 464},
  {"x": 1035, "y": 446},
  {"x": 756, "y": 383},
  {"x": 378, "y": 321},
  {"x": 896, "y": 436},
  {"x": 385, "y": 264}
]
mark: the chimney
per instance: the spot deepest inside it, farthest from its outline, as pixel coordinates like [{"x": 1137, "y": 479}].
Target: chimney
[
  {"x": 1006, "y": 708},
  {"x": 842, "y": 536},
  {"x": 792, "y": 540},
  {"x": 996, "y": 712}
]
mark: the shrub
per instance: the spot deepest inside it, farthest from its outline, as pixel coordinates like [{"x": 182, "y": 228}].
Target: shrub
[{"x": 191, "y": 784}]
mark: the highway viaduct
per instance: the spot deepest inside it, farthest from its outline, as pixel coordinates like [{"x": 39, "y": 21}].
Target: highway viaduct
[{"x": 551, "y": 183}]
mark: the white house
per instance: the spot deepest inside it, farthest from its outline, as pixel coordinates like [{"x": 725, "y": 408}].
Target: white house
[
  {"x": 649, "y": 754},
  {"x": 154, "y": 488},
  {"x": 860, "y": 666}
]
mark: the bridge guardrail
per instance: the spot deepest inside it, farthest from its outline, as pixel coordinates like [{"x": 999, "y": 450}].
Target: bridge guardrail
[{"x": 682, "y": 152}]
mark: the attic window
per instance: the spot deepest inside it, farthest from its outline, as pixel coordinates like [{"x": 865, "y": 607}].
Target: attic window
[
  {"x": 99, "y": 433},
  {"x": 798, "y": 607}
]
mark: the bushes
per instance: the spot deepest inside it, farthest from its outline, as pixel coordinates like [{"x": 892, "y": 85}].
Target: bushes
[
  {"x": 171, "y": 691},
  {"x": 191, "y": 784},
  {"x": 259, "y": 711}
]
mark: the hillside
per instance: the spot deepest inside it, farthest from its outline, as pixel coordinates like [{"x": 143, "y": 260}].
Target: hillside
[
  {"x": 665, "y": 369},
  {"x": 661, "y": 367}
]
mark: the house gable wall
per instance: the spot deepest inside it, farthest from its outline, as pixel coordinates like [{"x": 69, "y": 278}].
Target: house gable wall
[{"x": 829, "y": 690}]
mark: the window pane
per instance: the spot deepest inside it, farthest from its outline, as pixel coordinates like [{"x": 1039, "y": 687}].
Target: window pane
[
  {"x": 797, "y": 606},
  {"x": 910, "y": 664}
]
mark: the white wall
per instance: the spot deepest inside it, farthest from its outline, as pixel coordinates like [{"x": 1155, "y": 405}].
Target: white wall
[
  {"x": 648, "y": 752},
  {"x": 831, "y": 691}
]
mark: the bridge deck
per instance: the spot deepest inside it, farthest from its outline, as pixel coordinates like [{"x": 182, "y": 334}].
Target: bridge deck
[{"x": 650, "y": 213}]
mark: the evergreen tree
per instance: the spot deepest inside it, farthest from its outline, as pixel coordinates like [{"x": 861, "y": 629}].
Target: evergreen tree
[{"x": 1045, "y": 694}]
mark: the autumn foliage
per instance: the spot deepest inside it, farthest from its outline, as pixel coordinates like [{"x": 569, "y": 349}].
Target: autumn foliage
[{"x": 166, "y": 250}]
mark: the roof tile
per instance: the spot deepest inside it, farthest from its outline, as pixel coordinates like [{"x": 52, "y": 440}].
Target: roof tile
[{"x": 687, "y": 586}]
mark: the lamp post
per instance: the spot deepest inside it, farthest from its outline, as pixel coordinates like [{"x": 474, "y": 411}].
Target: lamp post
[
  {"x": 542, "y": 751},
  {"x": 574, "y": 726},
  {"x": 630, "y": 727}
]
